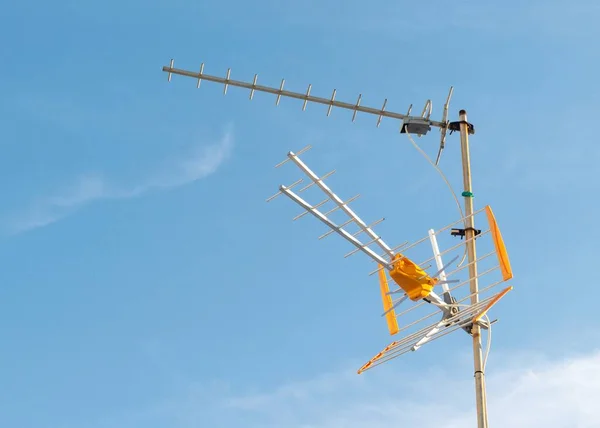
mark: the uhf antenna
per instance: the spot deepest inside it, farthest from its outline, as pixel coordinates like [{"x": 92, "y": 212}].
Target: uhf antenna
[{"x": 418, "y": 125}]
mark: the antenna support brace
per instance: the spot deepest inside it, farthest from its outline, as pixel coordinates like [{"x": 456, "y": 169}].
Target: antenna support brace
[{"x": 455, "y": 126}]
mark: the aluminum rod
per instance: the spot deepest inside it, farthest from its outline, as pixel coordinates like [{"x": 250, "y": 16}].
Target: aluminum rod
[
  {"x": 456, "y": 287},
  {"x": 300, "y": 96},
  {"x": 406, "y": 342},
  {"x": 343, "y": 205},
  {"x": 437, "y": 232},
  {"x": 480, "y": 398},
  {"x": 440, "y": 266},
  {"x": 443, "y": 253},
  {"x": 334, "y": 227}
]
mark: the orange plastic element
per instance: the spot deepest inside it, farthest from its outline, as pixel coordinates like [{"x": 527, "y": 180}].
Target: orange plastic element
[
  {"x": 492, "y": 302},
  {"x": 499, "y": 245},
  {"x": 388, "y": 303},
  {"x": 411, "y": 278},
  {"x": 377, "y": 357}
]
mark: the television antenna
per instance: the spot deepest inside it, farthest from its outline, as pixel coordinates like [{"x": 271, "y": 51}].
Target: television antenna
[
  {"x": 419, "y": 125},
  {"x": 470, "y": 317}
]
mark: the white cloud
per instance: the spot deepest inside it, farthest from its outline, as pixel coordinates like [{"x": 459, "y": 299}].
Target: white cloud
[
  {"x": 524, "y": 391},
  {"x": 529, "y": 392},
  {"x": 203, "y": 161}
]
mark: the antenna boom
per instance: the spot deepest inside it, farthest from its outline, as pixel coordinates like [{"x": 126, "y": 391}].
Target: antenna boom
[{"x": 331, "y": 102}]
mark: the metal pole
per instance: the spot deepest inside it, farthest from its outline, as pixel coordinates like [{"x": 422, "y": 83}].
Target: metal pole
[{"x": 480, "y": 397}]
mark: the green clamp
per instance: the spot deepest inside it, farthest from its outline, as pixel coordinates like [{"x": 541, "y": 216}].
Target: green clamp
[{"x": 467, "y": 194}]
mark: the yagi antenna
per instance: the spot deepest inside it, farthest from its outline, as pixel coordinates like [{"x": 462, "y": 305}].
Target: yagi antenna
[
  {"x": 409, "y": 269},
  {"x": 419, "y": 125}
]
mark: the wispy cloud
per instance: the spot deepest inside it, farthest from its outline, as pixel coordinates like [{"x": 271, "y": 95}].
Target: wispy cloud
[
  {"x": 534, "y": 393},
  {"x": 201, "y": 162},
  {"x": 524, "y": 391}
]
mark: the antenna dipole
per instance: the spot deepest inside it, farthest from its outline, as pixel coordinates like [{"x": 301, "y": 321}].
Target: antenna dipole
[{"x": 411, "y": 124}]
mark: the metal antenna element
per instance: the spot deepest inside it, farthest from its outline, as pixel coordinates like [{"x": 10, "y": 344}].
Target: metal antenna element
[
  {"x": 444, "y": 129},
  {"x": 418, "y": 125}
]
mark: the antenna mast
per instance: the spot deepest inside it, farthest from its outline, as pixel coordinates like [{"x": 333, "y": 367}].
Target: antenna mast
[
  {"x": 465, "y": 129},
  {"x": 410, "y": 124}
]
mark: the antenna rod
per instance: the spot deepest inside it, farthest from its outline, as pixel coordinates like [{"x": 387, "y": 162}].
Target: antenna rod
[
  {"x": 465, "y": 129},
  {"x": 331, "y": 102}
]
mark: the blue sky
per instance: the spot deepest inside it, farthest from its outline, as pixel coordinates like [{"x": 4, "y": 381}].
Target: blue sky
[{"x": 146, "y": 283}]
